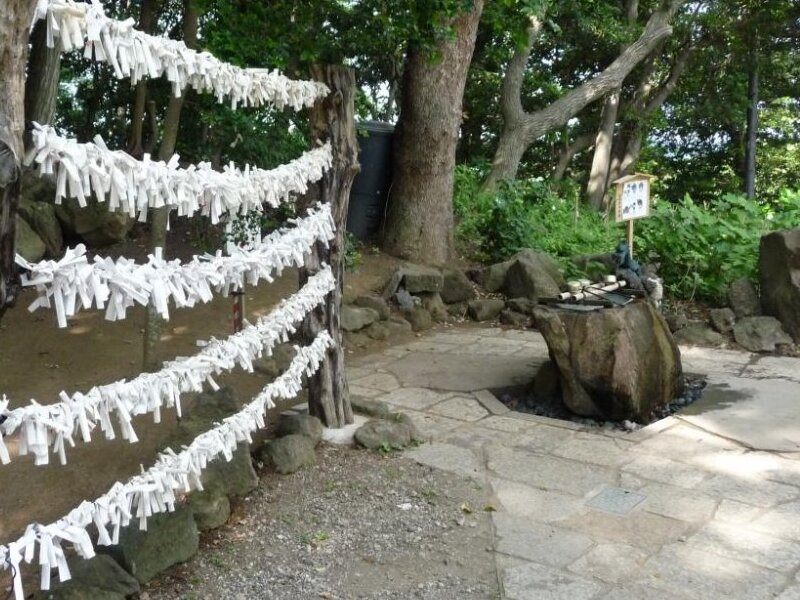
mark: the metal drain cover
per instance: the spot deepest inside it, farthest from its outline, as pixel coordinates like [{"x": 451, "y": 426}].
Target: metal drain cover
[{"x": 616, "y": 500}]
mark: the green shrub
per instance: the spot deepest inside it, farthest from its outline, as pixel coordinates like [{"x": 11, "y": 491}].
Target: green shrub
[{"x": 700, "y": 249}]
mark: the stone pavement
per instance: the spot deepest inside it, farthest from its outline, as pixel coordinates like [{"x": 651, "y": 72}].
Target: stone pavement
[{"x": 701, "y": 505}]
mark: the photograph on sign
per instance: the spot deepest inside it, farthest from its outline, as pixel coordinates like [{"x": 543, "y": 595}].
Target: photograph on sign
[{"x": 635, "y": 200}]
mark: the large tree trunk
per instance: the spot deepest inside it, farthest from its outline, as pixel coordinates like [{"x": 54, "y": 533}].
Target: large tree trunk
[
  {"x": 332, "y": 121},
  {"x": 752, "y": 128},
  {"x": 419, "y": 223},
  {"x": 521, "y": 130},
  {"x": 159, "y": 218},
  {"x": 15, "y": 22},
  {"x": 601, "y": 161},
  {"x": 147, "y": 19},
  {"x": 41, "y": 85}
]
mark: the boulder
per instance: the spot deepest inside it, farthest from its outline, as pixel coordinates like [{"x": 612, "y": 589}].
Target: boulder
[
  {"x": 457, "y": 310},
  {"x": 699, "y": 335},
  {"x": 99, "y": 578},
  {"x": 533, "y": 275},
  {"x": 419, "y": 318},
  {"x": 760, "y": 334},
  {"x": 779, "y": 276},
  {"x": 398, "y": 325},
  {"x": 432, "y": 302},
  {"x": 522, "y": 305},
  {"x": 614, "y": 364},
  {"x": 485, "y": 309},
  {"x": 93, "y": 223},
  {"x": 234, "y": 478},
  {"x": 547, "y": 383},
  {"x": 28, "y": 244},
  {"x": 514, "y": 319},
  {"x": 290, "y": 453},
  {"x": 376, "y": 303},
  {"x": 306, "y": 425},
  {"x": 356, "y": 318},
  {"x": 676, "y": 321},
  {"x": 369, "y": 407},
  {"x": 722, "y": 319},
  {"x": 414, "y": 279},
  {"x": 211, "y": 508},
  {"x": 170, "y": 539},
  {"x": 493, "y": 277},
  {"x": 455, "y": 286},
  {"x": 382, "y": 434},
  {"x": 743, "y": 298},
  {"x": 378, "y": 331},
  {"x": 41, "y": 216}
]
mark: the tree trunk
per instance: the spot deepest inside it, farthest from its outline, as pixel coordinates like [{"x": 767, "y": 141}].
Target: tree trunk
[
  {"x": 419, "y": 224},
  {"x": 578, "y": 145},
  {"x": 159, "y": 218},
  {"x": 752, "y": 129},
  {"x": 41, "y": 85},
  {"x": 601, "y": 162},
  {"x": 531, "y": 126},
  {"x": 333, "y": 120},
  {"x": 15, "y": 22},
  {"x": 147, "y": 19}
]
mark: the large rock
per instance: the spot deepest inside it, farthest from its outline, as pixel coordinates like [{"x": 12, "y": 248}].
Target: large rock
[
  {"x": 290, "y": 453},
  {"x": 419, "y": 318},
  {"x": 760, "y": 334},
  {"x": 485, "y": 309},
  {"x": 306, "y": 425},
  {"x": 432, "y": 302},
  {"x": 398, "y": 325},
  {"x": 28, "y": 244},
  {"x": 376, "y": 303},
  {"x": 533, "y": 275},
  {"x": 234, "y": 478},
  {"x": 355, "y": 318},
  {"x": 722, "y": 319},
  {"x": 170, "y": 539},
  {"x": 456, "y": 287},
  {"x": 211, "y": 508},
  {"x": 99, "y": 578},
  {"x": 378, "y": 331},
  {"x": 743, "y": 298},
  {"x": 493, "y": 277},
  {"x": 779, "y": 275},
  {"x": 615, "y": 364},
  {"x": 699, "y": 335},
  {"x": 414, "y": 279},
  {"x": 382, "y": 434},
  {"x": 93, "y": 223},
  {"x": 41, "y": 216}
]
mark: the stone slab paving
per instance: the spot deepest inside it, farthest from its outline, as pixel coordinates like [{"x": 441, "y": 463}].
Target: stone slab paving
[{"x": 713, "y": 494}]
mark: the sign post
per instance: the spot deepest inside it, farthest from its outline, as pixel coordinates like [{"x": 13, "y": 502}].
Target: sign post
[{"x": 633, "y": 200}]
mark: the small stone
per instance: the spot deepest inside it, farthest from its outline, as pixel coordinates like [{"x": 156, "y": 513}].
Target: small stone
[
  {"x": 760, "y": 334},
  {"x": 306, "y": 425},
  {"x": 378, "y": 331},
  {"x": 211, "y": 508},
  {"x": 397, "y": 325},
  {"x": 486, "y": 309},
  {"x": 369, "y": 407},
  {"x": 432, "y": 302},
  {"x": 676, "y": 321},
  {"x": 699, "y": 335},
  {"x": 457, "y": 310},
  {"x": 722, "y": 319},
  {"x": 374, "y": 302},
  {"x": 290, "y": 454}
]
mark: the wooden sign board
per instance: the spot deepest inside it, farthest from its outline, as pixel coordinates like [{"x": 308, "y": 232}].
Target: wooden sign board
[{"x": 633, "y": 197}]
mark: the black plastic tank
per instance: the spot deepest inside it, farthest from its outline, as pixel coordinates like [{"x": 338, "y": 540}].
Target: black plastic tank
[{"x": 371, "y": 186}]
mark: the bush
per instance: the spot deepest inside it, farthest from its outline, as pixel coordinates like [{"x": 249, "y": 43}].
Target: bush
[{"x": 700, "y": 249}]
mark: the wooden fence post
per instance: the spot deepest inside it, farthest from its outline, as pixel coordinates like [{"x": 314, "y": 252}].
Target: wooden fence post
[{"x": 332, "y": 120}]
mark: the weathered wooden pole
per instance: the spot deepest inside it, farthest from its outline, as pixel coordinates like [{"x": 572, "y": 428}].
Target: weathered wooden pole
[{"x": 332, "y": 120}]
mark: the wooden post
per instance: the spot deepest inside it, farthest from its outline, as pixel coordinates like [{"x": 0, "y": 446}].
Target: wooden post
[
  {"x": 630, "y": 236},
  {"x": 332, "y": 120}
]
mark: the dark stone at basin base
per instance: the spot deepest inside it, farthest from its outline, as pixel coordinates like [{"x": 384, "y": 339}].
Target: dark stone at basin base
[{"x": 614, "y": 364}]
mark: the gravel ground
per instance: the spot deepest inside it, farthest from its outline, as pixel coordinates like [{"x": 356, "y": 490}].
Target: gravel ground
[{"x": 356, "y": 525}]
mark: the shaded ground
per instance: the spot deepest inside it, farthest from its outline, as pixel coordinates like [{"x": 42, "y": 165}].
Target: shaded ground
[
  {"x": 38, "y": 360},
  {"x": 357, "y": 525}
]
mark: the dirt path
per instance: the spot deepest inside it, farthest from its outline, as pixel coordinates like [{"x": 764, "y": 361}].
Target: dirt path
[
  {"x": 38, "y": 360},
  {"x": 356, "y": 525}
]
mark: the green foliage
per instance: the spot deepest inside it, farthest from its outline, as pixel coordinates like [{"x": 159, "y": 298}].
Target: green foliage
[
  {"x": 526, "y": 214},
  {"x": 701, "y": 248},
  {"x": 352, "y": 252}
]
